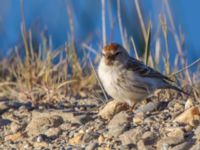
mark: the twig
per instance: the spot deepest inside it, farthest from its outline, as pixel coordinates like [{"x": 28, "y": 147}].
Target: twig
[
  {"x": 103, "y": 22},
  {"x": 187, "y": 67}
]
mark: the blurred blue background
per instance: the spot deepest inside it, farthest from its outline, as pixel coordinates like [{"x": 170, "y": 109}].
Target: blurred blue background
[{"x": 53, "y": 18}]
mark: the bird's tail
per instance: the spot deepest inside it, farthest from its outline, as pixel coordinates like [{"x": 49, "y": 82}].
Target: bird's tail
[{"x": 178, "y": 89}]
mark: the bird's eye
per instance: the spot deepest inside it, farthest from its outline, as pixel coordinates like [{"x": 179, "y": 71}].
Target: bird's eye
[{"x": 117, "y": 53}]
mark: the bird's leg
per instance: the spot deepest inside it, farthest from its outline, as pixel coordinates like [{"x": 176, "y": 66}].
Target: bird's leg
[{"x": 132, "y": 107}]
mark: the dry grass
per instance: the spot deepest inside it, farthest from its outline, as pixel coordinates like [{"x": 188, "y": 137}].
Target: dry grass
[{"x": 39, "y": 80}]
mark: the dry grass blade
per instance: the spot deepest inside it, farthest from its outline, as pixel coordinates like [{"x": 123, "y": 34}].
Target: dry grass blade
[
  {"x": 23, "y": 31},
  {"x": 186, "y": 68},
  {"x": 141, "y": 19},
  {"x": 100, "y": 84},
  {"x": 157, "y": 52},
  {"x": 90, "y": 49},
  {"x": 135, "y": 49},
  {"x": 177, "y": 40},
  {"x": 120, "y": 23},
  {"x": 65, "y": 83},
  {"x": 147, "y": 46},
  {"x": 103, "y": 22}
]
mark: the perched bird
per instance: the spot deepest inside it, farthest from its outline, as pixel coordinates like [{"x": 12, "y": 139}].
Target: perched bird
[{"x": 127, "y": 79}]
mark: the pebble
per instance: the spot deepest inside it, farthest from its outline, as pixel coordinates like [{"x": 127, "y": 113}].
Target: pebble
[
  {"x": 90, "y": 136},
  {"x": 138, "y": 118},
  {"x": 168, "y": 141},
  {"x": 189, "y": 116},
  {"x": 40, "y": 145},
  {"x": 14, "y": 137},
  {"x": 142, "y": 146},
  {"x": 195, "y": 147},
  {"x": 197, "y": 132},
  {"x": 4, "y": 122},
  {"x": 118, "y": 124},
  {"x": 179, "y": 133},
  {"x": 15, "y": 127},
  {"x": 112, "y": 108},
  {"x": 92, "y": 146},
  {"x": 53, "y": 132},
  {"x": 40, "y": 138},
  {"x": 3, "y": 107},
  {"x": 183, "y": 146},
  {"x": 149, "y": 138},
  {"x": 149, "y": 107},
  {"x": 101, "y": 139},
  {"x": 189, "y": 103},
  {"x": 40, "y": 123},
  {"x": 131, "y": 136},
  {"x": 76, "y": 139}
]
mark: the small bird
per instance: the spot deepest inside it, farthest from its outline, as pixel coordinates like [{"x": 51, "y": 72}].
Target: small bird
[{"x": 128, "y": 79}]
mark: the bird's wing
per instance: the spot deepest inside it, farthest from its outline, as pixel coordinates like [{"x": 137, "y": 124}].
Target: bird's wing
[{"x": 144, "y": 70}]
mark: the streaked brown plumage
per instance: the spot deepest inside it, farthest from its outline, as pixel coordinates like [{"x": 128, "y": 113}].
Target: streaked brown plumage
[{"x": 127, "y": 79}]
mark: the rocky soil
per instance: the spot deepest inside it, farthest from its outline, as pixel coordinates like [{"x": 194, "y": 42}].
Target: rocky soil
[{"x": 167, "y": 124}]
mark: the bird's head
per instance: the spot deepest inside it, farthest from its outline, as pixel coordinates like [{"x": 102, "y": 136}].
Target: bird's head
[{"x": 114, "y": 53}]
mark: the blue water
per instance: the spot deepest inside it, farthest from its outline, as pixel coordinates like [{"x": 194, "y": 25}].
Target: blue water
[{"x": 51, "y": 16}]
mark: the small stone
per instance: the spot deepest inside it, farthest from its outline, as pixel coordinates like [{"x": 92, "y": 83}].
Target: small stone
[
  {"x": 40, "y": 145},
  {"x": 149, "y": 138},
  {"x": 41, "y": 138},
  {"x": 128, "y": 147},
  {"x": 3, "y": 107},
  {"x": 76, "y": 139},
  {"x": 65, "y": 126},
  {"x": 14, "y": 137},
  {"x": 112, "y": 108},
  {"x": 195, "y": 147},
  {"x": 178, "y": 106},
  {"x": 15, "y": 127},
  {"x": 90, "y": 136},
  {"x": 118, "y": 124},
  {"x": 189, "y": 116},
  {"x": 138, "y": 118},
  {"x": 141, "y": 146},
  {"x": 176, "y": 132},
  {"x": 149, "y": 107},
  {"x": 27, "y": 146},
  {"x": 168, "y": 141},
  {"x": 101, "y": 139},
  {"x": 197, "y": 132},
  {"x": 162, "y": 105},
  {"x": 183, "y": 146},
  {"x": 189, "y": 103},
  {"x": 92, "y": 146},
  {"x": 4, "y": 122},
  {"x": 39, "y": 124},
  {"x": 188, "y": 128},
  {"x": 53, "y": 132},
  {"x": 131, "y": 136}
]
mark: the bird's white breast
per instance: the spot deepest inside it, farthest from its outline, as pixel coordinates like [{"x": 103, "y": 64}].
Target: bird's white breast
[
  {"x": 109, "y": 76},
  {"x": 124, "y": 91}
]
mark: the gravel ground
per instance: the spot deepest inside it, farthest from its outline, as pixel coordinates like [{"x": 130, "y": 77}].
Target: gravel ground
[{"x": 167, "y": 124}]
